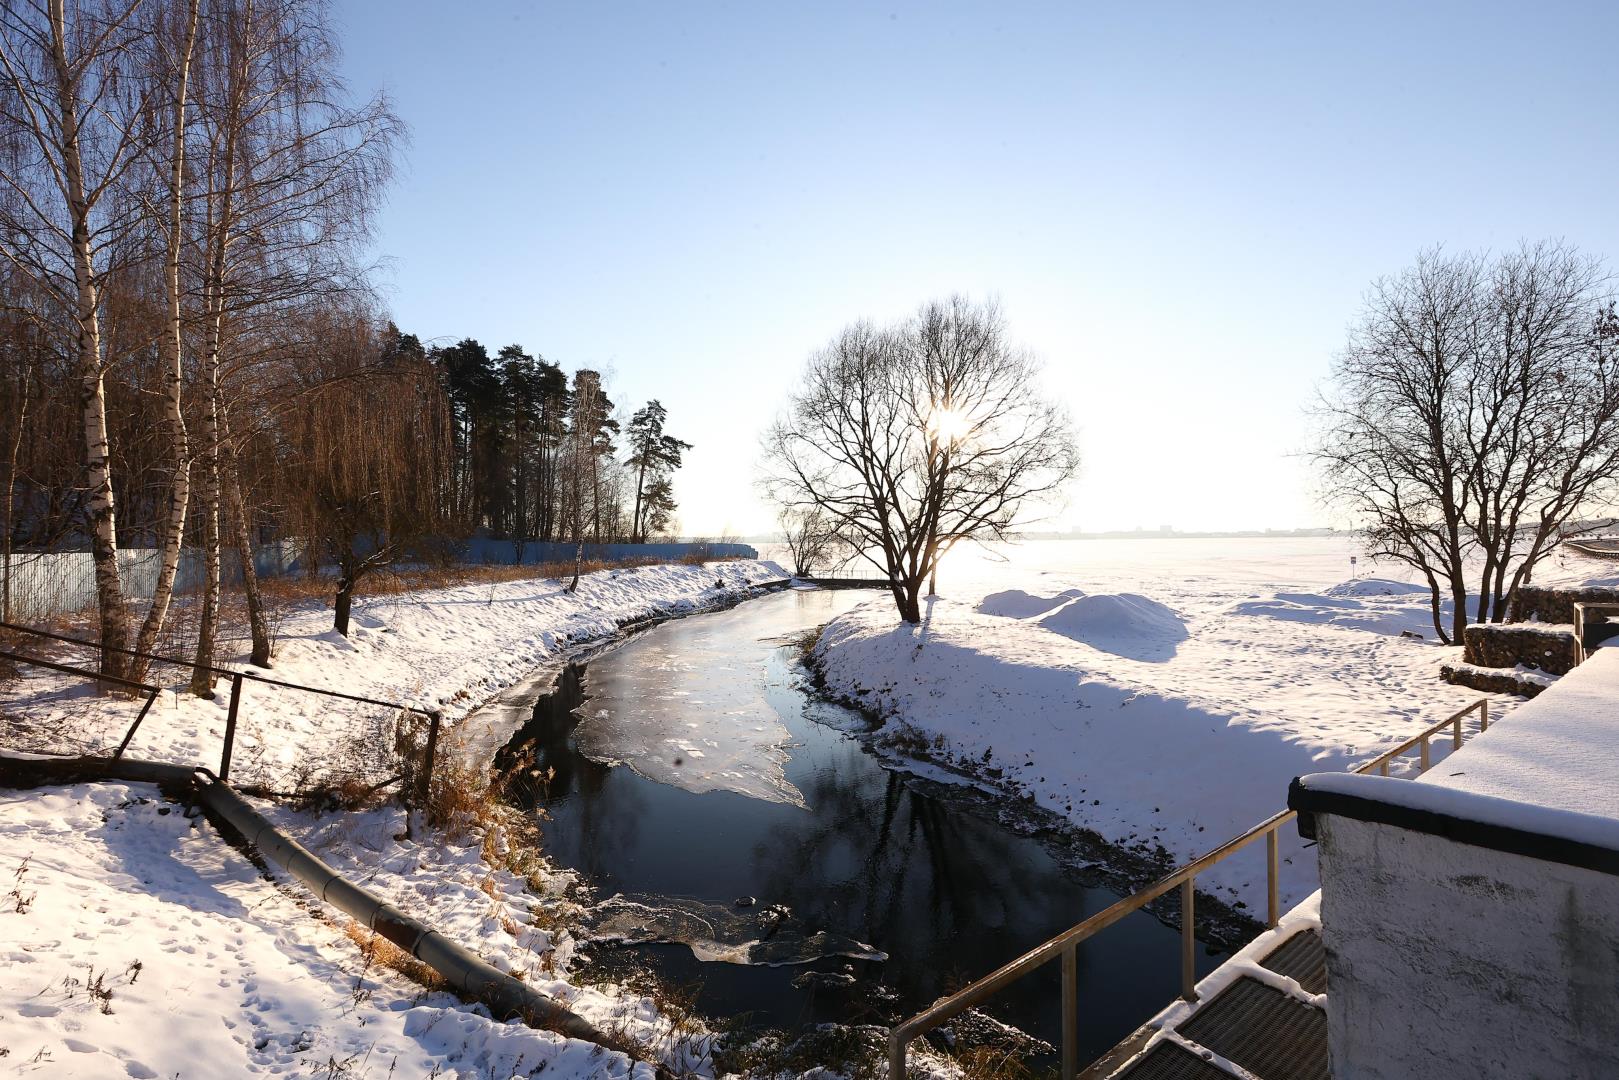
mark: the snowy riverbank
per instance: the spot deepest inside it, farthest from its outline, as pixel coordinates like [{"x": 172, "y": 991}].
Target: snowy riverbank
[
  {"x": 136, "y": 942},
  {"x": 447, "y": 649},
  {"x": 1156, "y": 725}
]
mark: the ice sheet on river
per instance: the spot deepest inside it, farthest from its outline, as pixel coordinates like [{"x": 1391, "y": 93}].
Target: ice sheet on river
[
  {"x": 685, "y": 705},
  {"x": 767, "y": 936}
]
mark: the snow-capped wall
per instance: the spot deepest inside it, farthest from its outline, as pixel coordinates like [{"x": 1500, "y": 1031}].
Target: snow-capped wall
[{"x": 1448, "y": 959}]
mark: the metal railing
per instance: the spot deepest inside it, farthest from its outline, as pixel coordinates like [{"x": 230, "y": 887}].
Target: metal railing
[
  {"x": 1065, "y": 945},
  {"x": 1582, "y": 609},
  {"x": 848, "y": 581},
  {"x": 237, "y": 678}
]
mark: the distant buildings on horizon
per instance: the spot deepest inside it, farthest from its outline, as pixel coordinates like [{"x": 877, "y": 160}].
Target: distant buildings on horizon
[{"x": 1170, "y": 532}]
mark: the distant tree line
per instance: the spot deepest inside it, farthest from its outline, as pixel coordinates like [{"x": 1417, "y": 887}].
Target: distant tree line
[
  {"x": 191, "y": 353},
  {"x": 534, "y": 451}
]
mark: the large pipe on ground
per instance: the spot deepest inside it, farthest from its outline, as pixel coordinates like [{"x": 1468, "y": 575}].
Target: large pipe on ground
[{"x": 466, "y": 974}]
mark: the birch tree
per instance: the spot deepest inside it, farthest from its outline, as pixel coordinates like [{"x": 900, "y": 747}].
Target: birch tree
[
  {"x": 171, "y": 68},
  {"x": 71, "y": 101},
  {"x": 289, "y": 177}
]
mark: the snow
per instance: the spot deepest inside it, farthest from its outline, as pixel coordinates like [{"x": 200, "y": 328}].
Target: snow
[
  {"x": 1168, "y": 704},
  {"x": 1127, "y": 624},
  {"x": 1017, "y": 604},
  {"x": 1469, "y": 804},
  {"x": 447, "y": 649},
  {"x": 1558, "y": 752},
  {"x": 212, "y": 970},
  {"x": 240, "y": 974}
]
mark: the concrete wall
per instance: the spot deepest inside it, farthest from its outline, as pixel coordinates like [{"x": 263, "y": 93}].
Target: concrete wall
[
  {"x": 62, "y": 582},
  {"x": 1449, "y": 960}
]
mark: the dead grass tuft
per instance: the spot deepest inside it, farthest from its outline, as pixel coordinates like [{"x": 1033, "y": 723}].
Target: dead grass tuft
[{"x": 379, "y": 950}]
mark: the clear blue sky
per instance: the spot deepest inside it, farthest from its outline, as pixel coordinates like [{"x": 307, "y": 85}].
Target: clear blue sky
[{"x": 1179, "y": 205}]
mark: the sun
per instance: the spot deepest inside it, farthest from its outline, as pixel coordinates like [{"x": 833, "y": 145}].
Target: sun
[{"x": 949, "y": 425}]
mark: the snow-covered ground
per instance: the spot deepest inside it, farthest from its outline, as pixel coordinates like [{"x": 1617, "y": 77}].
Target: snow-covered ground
[
  {"x": 447, "y": 649},
  {"x": 136, "y": 942},
  {"x": 1160, "y": 693}
]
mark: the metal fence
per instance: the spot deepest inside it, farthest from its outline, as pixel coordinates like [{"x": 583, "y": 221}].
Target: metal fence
[
  {"x": 1064, "y": 946},
  {"x": 361, "y": 744}
]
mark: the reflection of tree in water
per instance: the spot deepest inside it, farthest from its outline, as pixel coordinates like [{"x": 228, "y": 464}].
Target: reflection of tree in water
[
  {"x": 922, "y": 880},
  {"x": 591, "y": 824}
]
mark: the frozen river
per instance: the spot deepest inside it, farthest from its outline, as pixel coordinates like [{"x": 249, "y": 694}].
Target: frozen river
[{"x": 693, "y": 770}]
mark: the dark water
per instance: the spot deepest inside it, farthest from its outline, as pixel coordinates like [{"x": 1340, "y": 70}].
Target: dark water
[{"x": 946, "y": 891}]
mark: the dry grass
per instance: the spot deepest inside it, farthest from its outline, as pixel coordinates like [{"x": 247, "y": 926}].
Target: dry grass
[{"x": 379, "y": 950}]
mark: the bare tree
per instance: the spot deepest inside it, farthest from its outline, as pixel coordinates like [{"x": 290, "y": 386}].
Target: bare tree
[
  {"x": 289, "y": 177},
  {"x": 171, "y": 65},
  {"x": 913, "y": 438},
  {"x": 72, "y": 98},
  {"x": 368, "y": 449},
  {"x": 812, "y": 539},
  {"x": 1473, "y": 417}
]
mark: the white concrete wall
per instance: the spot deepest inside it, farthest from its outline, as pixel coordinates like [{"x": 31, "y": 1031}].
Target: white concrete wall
[{"x": 1446, "y": 960}]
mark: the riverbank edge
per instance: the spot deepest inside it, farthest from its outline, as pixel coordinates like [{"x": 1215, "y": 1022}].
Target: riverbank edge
[{"x": 1086, "y": 853}]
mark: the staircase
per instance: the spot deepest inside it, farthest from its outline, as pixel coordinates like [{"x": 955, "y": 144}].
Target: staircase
[{"x": 1262, "y": 1025}]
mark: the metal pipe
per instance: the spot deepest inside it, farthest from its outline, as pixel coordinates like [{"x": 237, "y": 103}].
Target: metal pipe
[{"x": 506, "y": 996}]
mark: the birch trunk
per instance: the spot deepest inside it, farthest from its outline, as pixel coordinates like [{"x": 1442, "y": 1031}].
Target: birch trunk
[
  {"x": 258, "y": 623},
  {"x": 174, "y": 525},
  {"x": 98, "y": 504},
  {"x": 202, "y": 679}
]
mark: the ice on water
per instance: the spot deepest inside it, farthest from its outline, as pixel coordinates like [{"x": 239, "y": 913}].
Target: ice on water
[{"x": 685, "y": 704}]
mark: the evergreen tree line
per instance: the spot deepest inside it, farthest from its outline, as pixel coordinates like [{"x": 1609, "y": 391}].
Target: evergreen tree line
[{"x": 536, "y": 452}]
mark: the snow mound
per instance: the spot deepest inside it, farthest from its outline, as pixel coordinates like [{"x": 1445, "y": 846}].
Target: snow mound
[
  {"x": 1377, "y": 587},
  {"x": 1017, "y": 604},
  {"x": 1126, "y": 624}
]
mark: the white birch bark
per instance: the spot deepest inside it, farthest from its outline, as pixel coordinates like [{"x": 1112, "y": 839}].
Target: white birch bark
[
  {"x": 173, "y": 531},
  {"x": 99, "y": 504}
]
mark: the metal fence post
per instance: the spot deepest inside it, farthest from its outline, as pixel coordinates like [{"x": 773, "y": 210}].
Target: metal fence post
[
  {"x": 230, "y": 725},
  {"x": 1273, "y": 907},
  {"x": 425, "y": 781},
  {"x": 1188, "y": 945},
  {"x": 1070, "y": 1012}
]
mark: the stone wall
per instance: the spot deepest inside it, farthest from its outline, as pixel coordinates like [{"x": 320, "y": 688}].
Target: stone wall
[
  {"x": 1556, "y": 605},
  {"x": 1549, "y": 648},
  {"x": 1490, "y": 680}
]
